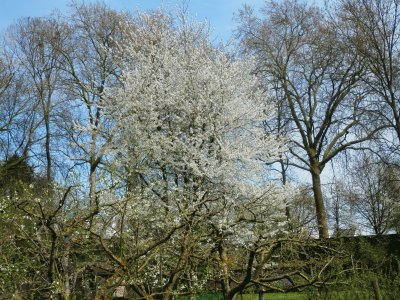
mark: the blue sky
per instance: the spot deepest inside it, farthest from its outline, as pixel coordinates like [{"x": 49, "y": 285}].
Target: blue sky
[{"x": 219, "y": 13}]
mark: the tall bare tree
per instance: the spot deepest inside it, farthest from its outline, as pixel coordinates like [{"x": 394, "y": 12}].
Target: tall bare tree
[
  {"x": 17, "y": 110},
  {"x": 302, "y": 53},
  {"x": 91, "y": 64},
  {"x": 34, "y": 42}
]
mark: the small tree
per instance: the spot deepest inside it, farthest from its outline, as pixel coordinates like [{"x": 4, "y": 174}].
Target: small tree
[{"x": 373, "y": 190}]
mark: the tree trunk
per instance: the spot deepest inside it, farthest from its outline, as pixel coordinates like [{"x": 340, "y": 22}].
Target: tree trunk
[
  {"x": 287, "y": 209},
  {"x": 52, "y": 256},
  {"x": 92, "y": 181},
  {"x": 377, "y": 290},
  {"x": 48, "y": 153},
  {"x": 229, "y": 296},
  {"x": 46, "y": 111},
  {"x": 261, "y": 295},
  {"x": 179, "y": 268},
  {"x": 92, "y": 191},
  {"x": 322, "y": 220},
  {"x": 223, "y": 257},
  {"x": 66, "y": 267}
]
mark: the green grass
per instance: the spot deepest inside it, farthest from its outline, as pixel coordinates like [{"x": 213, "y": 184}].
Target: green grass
[{"x": 274, "y": 296}]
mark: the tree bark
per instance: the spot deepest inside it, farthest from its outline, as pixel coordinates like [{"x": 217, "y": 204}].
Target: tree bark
[
  {"x": 179, "y": 268},
  {"x": 65, "y": 265},
  {"x": 377, "y": 290},
  {"x": 322, "y": 220},
  {"x": 261, "y": 295},
  {"x": 46, "y": 106},
  {"x": 224, "y": 264}
]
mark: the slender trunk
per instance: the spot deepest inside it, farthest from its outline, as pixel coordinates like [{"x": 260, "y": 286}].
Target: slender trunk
[
  {"x": 52, "y": 256},
  {"x": 94, "y": 205},
  {"x": 398, "y": 129},
  {"x": 92, "y": 193},
  {"x": 179, "y": 268},
  {"x": 287, "y": 208},
  {"x": 92, "y": 181},
  {"x": 322, "y": 220},
  {"x": 45, "y": 102},
  {"x": 66, "y": 266},
  {"x": 261, "y": 295},
  {"x": 392, "y": 101},
  {"x": 337, "y": 215},
  {"x": 48, "y": 154},
  {"x": 377, "y": 290},
  {"x": 94, "y": 158},
  {"x": 283, "y": 170},
  {"x": 223, "y": 257}
]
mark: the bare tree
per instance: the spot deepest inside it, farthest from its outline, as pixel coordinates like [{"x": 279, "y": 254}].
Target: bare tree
[
  {"x": 34, "y": 43},
  {"x": 91, "y": 63},
  {"x": 372, "y": 192},
  {"x": 375, "y": 35},
  {"x": 18, "y": 114},
  {"x": 302, "y": 53}
]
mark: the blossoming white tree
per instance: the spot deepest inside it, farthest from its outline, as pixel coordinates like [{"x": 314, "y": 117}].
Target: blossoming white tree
[{"x": 190, "y": 146}]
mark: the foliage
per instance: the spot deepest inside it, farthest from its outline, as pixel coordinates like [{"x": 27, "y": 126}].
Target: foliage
[{"x": 138, "y": 157}]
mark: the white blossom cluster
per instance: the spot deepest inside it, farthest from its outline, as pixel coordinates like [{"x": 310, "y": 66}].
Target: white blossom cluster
[{"x": 190, "y": 143}]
